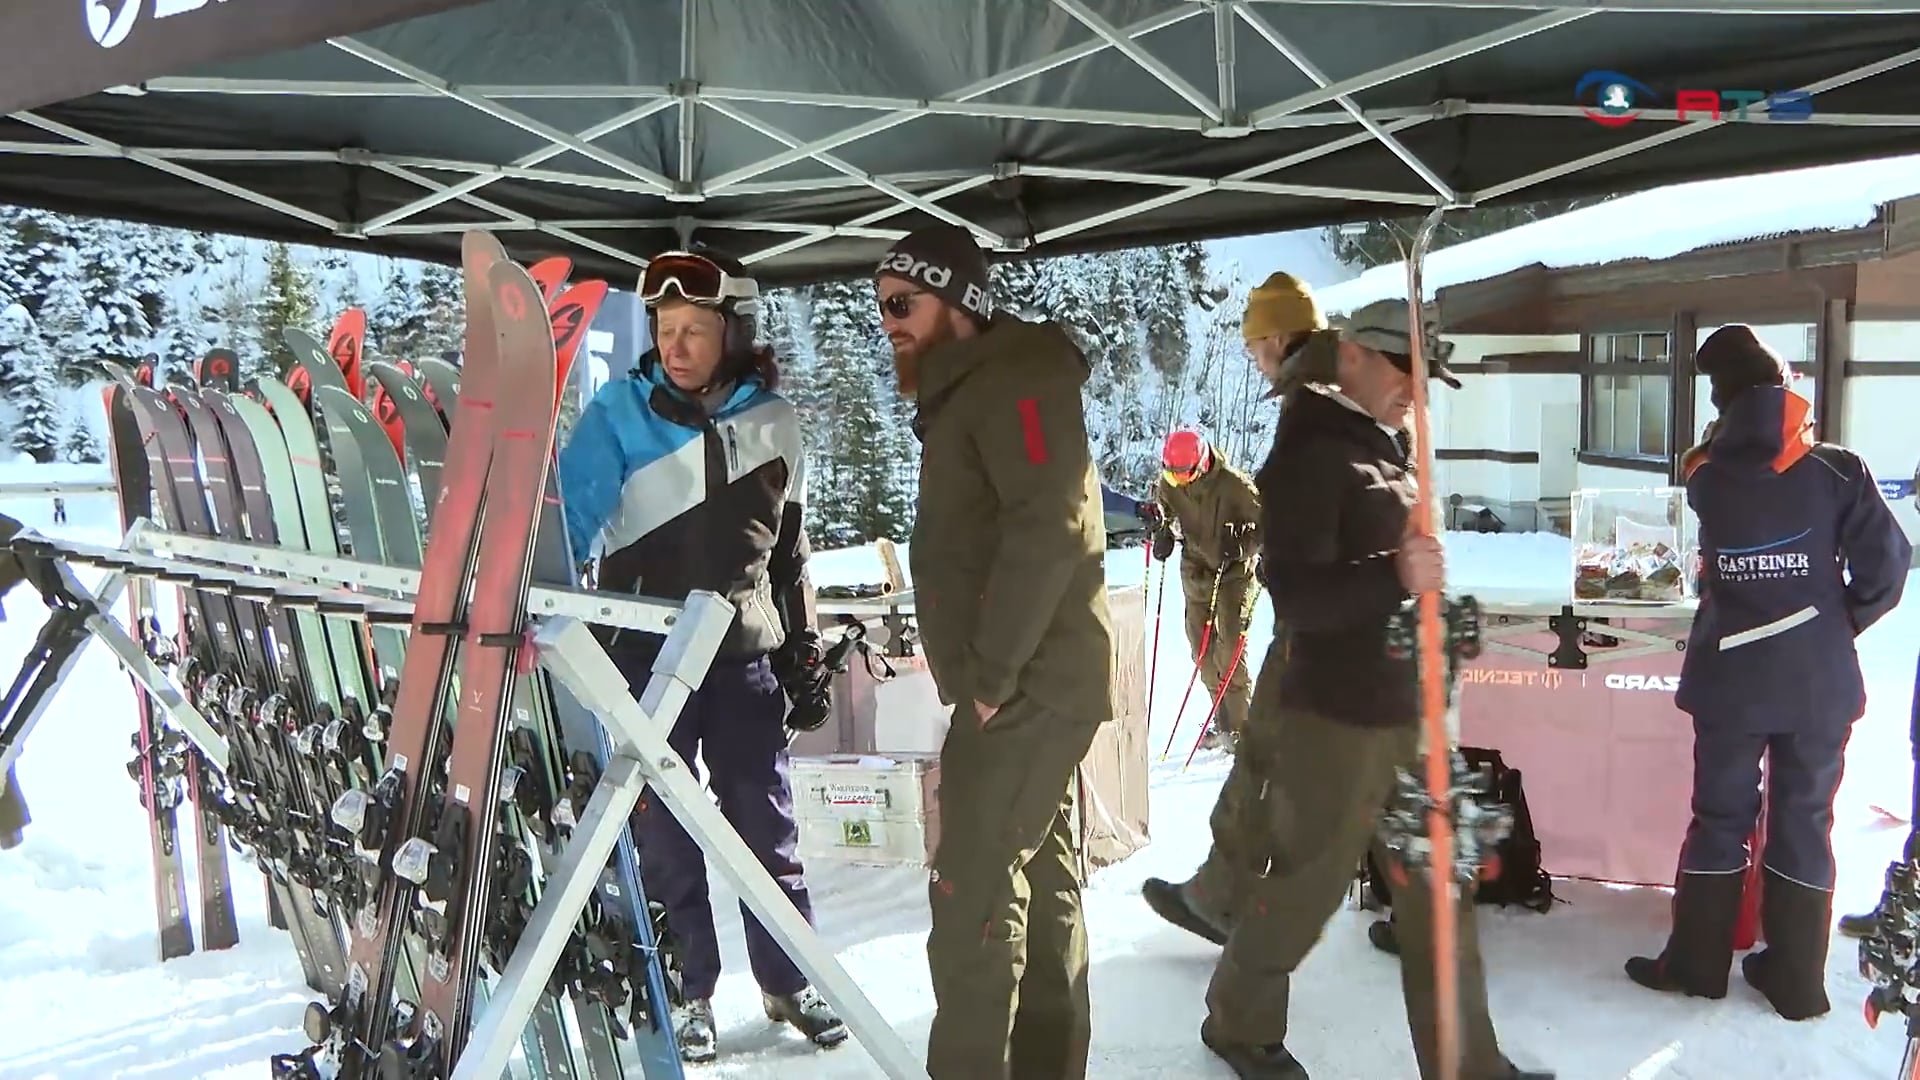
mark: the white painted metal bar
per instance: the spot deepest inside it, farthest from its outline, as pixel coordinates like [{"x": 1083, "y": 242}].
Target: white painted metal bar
[
  {"x": 982, "y": 88},
  {"x": 1696, "y": 7},
  {"x": 688, "y": 97},
  {"x": 1223, "y": 61},
  {"x": 570, "y": 652},
  {"x": 1182, "y": 194},
  {"x": 516, "y": 217},
  {"x": 1307, "y": 67},
  {"x": 1257, "y": 187},
  {"x": 546, "y": 153},
  {"x": 501, "y": 112},
  {"x": 177, "y": 170},
  {"x": 892, "y": 191},
  {"x": 955, "y": 188},
  {"x": 15, "y": 488},
  {"x": 1672, "y": 116},
  {"x": 1147, "y": 62},
  {"x": 986, "y": 109},
  {"x": 1263, "y": 117}
]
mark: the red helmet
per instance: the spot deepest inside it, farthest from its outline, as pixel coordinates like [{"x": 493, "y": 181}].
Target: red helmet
[{"x": 1184, "y": 452}]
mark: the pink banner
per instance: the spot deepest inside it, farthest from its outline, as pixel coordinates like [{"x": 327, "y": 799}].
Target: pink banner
[{"x": 1607, "y": 761}]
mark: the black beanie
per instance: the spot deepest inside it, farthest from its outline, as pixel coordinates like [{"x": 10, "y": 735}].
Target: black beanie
[
  {"x": 944, "y": 260},
  {"x": 1733, "y": 359}
]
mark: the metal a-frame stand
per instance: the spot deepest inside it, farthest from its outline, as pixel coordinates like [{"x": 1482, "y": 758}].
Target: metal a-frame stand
[{"x": 566, "y": 649}]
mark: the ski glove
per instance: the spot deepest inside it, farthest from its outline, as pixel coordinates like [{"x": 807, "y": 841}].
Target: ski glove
[
  {"x": 1162, "y": 543},
  {"x": 799, "y": 666},
  {"x": 1148, "y": 512},
  {"x": 1236, "y": 538}
]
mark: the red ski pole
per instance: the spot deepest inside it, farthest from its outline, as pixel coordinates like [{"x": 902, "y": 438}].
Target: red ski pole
[
  {"x": 1218, "y": 694},
  {"x": 1206, "y": 638}
]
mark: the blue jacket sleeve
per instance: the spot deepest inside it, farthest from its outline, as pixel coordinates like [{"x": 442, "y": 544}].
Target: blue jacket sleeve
[
  {"x": 592, "y": 470},
  {"x": 1877, "y": 553}
]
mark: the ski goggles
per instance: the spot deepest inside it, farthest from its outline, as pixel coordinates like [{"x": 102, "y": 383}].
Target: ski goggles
[
  {"x": 696, "y": 278},
  {"x": 1182, "y": 477}
]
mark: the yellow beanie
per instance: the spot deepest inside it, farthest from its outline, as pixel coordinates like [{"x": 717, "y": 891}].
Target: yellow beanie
[{"x": 1281, "y": 305}]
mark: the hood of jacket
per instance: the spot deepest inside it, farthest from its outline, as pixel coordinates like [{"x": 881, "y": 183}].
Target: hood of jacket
[
  {"x": 1763, "y": 427},
  {"x": 1026, "y": 350}
]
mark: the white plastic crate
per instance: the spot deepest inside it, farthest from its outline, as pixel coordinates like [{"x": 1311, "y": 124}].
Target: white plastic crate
[{"x": 868, "y": 809}]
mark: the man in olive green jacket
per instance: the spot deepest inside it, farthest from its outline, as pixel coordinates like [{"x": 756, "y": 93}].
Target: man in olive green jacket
[
  {"x": 1215, "y": 511},
  {"x": 1008, "y": 570}
]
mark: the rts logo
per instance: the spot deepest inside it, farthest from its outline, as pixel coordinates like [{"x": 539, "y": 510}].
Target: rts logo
[
  {"x": 1611, "y": 99},
  {"x": 1664, "y": 683},
  {"x": 109, "y": 22}
]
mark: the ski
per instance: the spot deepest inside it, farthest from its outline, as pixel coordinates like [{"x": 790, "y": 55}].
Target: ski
[
  {"x": 1440, "y": 821},
  {"x": 454, "y": 869},
  {"x": 440, "y": 382},
  {"x": 357, "y": 1025},
  {"x": 161, "y": 785}
]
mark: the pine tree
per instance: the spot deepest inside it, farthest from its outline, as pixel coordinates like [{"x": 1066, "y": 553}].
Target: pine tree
[
  {"x": 285, "y": 302},
  {"x": 858, "y": 489},
  {"x": 35, "y": 385},
  {"x": 82, "y": 445}
]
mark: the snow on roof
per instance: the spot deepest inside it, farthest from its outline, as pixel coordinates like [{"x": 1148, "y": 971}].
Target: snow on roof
[{"x": 1657, "y": 224}]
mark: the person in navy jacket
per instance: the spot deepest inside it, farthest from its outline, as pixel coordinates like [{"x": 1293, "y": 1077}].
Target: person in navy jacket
[
  {"x": 1799, "y": 554},
  {"x": 691, "y": 475}
]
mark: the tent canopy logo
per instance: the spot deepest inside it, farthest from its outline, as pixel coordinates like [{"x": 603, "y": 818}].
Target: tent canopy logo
[
  {"x": 110, "y": 22},
  {"x": 1611, "y": 99}
]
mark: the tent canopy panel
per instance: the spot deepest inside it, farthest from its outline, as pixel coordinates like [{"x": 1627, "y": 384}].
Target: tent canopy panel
[{"x": 566, "y": 124}]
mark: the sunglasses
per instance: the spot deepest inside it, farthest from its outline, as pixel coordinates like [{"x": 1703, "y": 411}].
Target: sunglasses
[
  {"x": 900, "y": 304},
  {"x": 696, "y": 278}
]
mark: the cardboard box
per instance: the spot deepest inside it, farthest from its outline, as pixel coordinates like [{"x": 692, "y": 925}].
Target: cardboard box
[{"x": 1111, "y": 784}]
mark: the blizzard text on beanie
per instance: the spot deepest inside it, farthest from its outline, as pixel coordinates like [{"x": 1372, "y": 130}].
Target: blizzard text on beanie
[{"x": 944, "y": 260}]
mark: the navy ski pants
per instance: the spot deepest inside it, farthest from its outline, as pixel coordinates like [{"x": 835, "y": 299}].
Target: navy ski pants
[
  {"x": 736, "y": 722},
  {"x": 1804, "y": 770}
]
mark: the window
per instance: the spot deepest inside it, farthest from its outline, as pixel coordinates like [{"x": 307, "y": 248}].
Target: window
[{"x": 1627, "y": 395}]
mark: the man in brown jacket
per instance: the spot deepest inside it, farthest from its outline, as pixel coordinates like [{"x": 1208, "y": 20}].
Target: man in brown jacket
[
  {"x": 1009, "y": 582},
  {"x": 1330, "y": 727}
]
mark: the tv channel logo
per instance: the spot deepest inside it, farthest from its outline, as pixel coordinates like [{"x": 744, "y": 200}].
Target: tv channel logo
[{"x": 1612, "y": 99}]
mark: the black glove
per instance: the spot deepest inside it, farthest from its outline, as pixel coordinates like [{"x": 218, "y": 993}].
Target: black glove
[
  {"x": 1162, "y": 544},
  {"x": 1236, "y": 537},
  {"x": 799, "y": 666}
]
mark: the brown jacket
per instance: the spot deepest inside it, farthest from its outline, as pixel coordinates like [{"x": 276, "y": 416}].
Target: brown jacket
[
  {"x": 1337, "y": 489},
  {"x": 1009, "y": 543},
  {"x": 1203, "y": 509}
]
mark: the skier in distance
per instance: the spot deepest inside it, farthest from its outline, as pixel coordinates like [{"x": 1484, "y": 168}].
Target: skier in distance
[
  {"x": 1799, "y": 554},
  {"x": 1010, "y": 584},
  {"x": 691, "y": 473}
]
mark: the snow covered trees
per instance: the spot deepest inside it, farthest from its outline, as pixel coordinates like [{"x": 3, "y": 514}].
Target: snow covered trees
[{"x": 32, "y": 385}]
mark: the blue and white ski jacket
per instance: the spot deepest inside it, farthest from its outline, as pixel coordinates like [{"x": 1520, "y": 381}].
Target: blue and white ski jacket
[{"x": 683, "y": 500}]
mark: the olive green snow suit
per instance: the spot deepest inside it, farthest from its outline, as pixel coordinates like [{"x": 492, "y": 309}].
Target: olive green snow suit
[
  {"x": 1010, "y": 587},
  {"x": 1203, "y": 508}
]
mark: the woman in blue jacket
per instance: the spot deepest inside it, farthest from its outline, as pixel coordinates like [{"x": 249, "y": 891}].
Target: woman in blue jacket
[
  {"x": 1799, "y": 554},
  {"x": 690, "y": 475}
]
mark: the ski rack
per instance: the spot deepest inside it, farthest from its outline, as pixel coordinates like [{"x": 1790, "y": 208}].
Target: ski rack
[{"x": 566, "y": 648}]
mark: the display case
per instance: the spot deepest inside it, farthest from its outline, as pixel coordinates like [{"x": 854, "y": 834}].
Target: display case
[{"x": 1634, "y": 546}]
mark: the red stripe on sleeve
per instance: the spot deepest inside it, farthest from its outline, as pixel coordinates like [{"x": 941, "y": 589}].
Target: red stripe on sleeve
[{"x": 1030, "y": 431}]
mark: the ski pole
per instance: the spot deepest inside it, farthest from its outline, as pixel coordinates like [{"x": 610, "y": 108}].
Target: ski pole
[
  {"x": 1206, "y": 637},
  {"x": 1153, "y": 655},
  {"x": 1220, "y": 692}
]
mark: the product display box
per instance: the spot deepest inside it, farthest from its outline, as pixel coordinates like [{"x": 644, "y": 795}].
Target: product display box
[{"x": 1634, "y": 546}]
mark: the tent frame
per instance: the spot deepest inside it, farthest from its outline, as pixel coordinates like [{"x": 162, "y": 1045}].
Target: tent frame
[{"x": 1220, "y": 114}]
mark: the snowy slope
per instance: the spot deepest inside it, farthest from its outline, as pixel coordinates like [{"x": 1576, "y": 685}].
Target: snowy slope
[
  {"x": 84, "y": 998},
  {"x": 1656, "y": 224}
]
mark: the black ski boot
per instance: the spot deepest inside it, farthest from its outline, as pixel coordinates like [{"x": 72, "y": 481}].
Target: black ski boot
[
  {"x": 1171, "y": 902},
  {"x": 1384, "y": 937},
  {"x": 1792, "y": 970},
  {"x": 1253, "y": 1062},
  {"x": 1861, "y": 925},
  {"x": 809, "y": 1014},
  {"x": 1699, "y": 953},
  {"x": 693, "y": 1030}
]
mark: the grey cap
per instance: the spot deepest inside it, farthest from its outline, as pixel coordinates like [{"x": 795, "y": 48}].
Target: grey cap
[{"x": 1382, "y": 327}]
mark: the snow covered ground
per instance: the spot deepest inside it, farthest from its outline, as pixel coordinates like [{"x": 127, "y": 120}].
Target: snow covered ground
[{"x": 83, "y": 996}]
